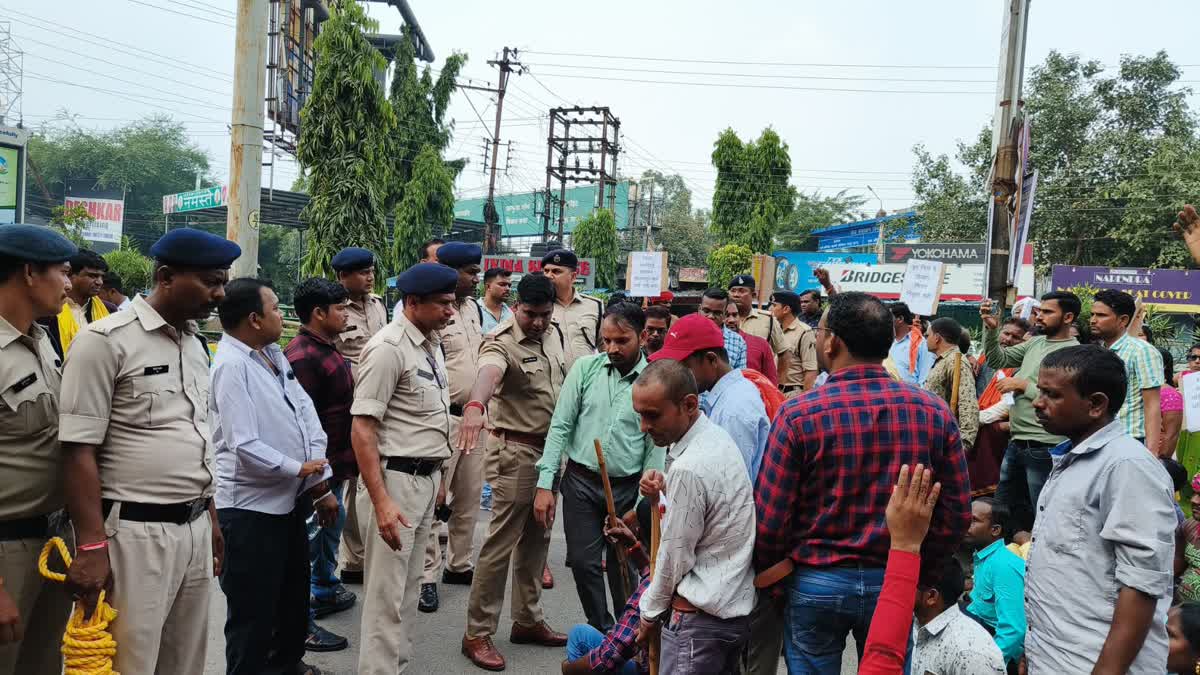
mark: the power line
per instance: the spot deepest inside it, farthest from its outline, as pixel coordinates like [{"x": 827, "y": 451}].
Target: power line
[
  {"x": 784, "y": 76},
  {"x": 106, "y": 91},
  {"x": 226, "y": 93},
  {"x": 174, "y": 11},
  {"x": 776, "y": 86},
  {"x": 177, "y": 97}
]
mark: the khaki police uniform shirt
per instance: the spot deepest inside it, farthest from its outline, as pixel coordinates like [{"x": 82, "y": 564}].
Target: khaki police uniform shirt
[
  {"x": 760, "y": 323},
  {"x": 401, "y": 382},
  {"x": 801, "y": 342},
  {"x": 460, "y": 344},
  {"x": 29, "y": 457},
  {"x": 579, "y": 321},
  {"x": 533, "y": 371},
  {"x": 364, "y": 319},
  {"x": 138, "y": 389}
]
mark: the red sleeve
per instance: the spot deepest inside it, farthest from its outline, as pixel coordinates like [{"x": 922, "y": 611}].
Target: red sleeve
[
  {"x": 770, "y": 369},
  {"x": 887, "y": 641}
]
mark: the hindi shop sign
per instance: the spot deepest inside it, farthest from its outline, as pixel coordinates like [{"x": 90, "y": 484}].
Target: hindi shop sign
[
  {"x": 107, "y": 217},
  {"x": 522, "y": 265},
  {"x": 948, "y": 253},
  {"x": 1167, "y": 290},
  {"x": 196, "y": 200}
]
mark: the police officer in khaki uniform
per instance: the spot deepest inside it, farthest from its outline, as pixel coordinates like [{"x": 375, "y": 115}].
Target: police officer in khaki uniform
[
  {"x": 33, "y": 283},
  {"x": 401, "y": 437},
  {"x": 523, "y": 364},
  {"x": 577, "y": 315},
  {"x": 801, "y": 343},
  {"x": 366, "y": 315},
  {"x": 462, "y": 477},
  {"x": 138, "y": 460},
  {"x": 758, "y": 322}
]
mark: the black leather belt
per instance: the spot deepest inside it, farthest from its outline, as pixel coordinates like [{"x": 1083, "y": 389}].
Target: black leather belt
[
  {"x": 1031, "y": 445},
  {"x": 180, "y": 514},
  {"x": 417, "y": 467},
  {"x": 594, "y": 476},
  {"x": 789, "y": 388},
  {"x": 36, "y": 527},
  {"x": 456, "y": 409}
]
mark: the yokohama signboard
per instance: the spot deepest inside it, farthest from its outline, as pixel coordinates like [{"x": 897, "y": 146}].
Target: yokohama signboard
[{"x": 971, "y": 254}]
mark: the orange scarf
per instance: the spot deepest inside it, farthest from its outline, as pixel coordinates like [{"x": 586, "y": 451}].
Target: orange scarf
[
  {"x": 915, "y": 338},
  {"x": 991, "y": 394}
]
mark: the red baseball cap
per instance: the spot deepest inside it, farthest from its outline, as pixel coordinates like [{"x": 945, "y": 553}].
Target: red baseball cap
[
  {"x": 665, "y": 296},
  {"x": 689, "y": 335}
]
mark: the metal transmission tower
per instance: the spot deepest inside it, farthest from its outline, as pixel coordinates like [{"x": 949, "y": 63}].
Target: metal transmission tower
[
  {"x": 571, "y": 148},
  {"x": 12, "y": 68}
]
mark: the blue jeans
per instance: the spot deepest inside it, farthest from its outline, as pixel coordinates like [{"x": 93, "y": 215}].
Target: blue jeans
[
  {"x": 824, "y": 605},
  {"x": 1022, "y": 474},
  {"x": 323, "y": 547},
  {"x": 583, "y": 639}
]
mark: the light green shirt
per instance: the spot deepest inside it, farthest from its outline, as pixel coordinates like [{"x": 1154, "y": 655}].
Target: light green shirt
[
  {"x": 597, "y": 402},
  {"x": 1027, "y": 359}
]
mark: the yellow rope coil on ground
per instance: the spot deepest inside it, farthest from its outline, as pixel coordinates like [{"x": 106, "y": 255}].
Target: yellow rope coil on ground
[{"x": 88, "y": 648}]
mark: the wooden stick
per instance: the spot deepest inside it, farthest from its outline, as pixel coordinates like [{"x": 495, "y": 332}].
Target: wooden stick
[
  {"x": 622, "y": 556},
  {"x": 655, "y": 535}
]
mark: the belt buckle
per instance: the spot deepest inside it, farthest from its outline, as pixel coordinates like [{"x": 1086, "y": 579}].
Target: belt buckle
[{"x": 196, "y": 507}]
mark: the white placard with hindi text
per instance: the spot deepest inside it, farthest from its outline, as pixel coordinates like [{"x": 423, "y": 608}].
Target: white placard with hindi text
[
  {"x": 647, "y": 273},
  {"x": 1190, "y": 388},
  {"x": 922, "y": 287}
]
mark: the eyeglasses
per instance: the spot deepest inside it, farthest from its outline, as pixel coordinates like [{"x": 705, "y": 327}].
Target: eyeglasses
[{"x": 1193, "y": 357}]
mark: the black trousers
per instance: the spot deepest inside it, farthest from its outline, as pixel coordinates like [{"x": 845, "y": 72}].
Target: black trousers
[
  {"x": 265, "y": 580},
  {"x": 584, "y": 512}
]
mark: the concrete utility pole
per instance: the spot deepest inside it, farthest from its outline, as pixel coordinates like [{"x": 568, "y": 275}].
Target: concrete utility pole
[
  {"x": 1006, "y": 126},
  {"x": 245, "y": 152},
  {"x": 491, "y": 218}
]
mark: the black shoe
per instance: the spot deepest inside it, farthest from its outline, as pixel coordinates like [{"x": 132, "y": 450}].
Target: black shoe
[
  {"x": 305, "y": 669},
  {"x": 339, "y": 601},
  {"x": 352, "y": 577},
  {"x": 429, "y": 598},
  {"x": 321, "y": 640},
  {"x": 458, "y": 578}
]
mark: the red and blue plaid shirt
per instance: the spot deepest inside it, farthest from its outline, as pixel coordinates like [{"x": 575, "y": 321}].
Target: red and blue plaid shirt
[
  {"x": 620, "y": 644},
  {"x": 831, "y": 460},
  {"x": 325, "y": 375}
]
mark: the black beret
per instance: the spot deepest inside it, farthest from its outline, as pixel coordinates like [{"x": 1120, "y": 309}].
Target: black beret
[
  {"x": 742, "y": 280},
  {"x": 35, "y": 243},
  {"x": 352, "y": 258},
  {"x": 459, "y": 254},
  {"x": 564, "y": 257},
  {"x": 195, "y": 248},
  {"x": 427, "y": 279}
]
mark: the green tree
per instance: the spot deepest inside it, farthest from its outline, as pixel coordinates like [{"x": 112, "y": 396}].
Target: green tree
[
  {"x": 596, "y": 237},
  {"x": 135, "y": 269},
  {"x": 347, "y": 121},
  {"x": 728, "y": 261},
  {"x": 752, "y": 195},
  {"x": 427, "y": 207},
  {"x": 813, "y": 212},
  {"x": 279, "y": 258},
  {"x": 70, "y": 221},
  {"x": 680, "y": 231},
  {"x": 953, "y": 207}
]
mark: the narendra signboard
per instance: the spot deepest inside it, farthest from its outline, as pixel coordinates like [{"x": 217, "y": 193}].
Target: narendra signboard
[
  {"x": 107, "y": 216},
  {"x": 1166, "y": 290}
]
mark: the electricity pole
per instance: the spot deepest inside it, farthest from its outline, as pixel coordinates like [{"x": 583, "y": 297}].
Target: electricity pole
[
  {"x": 245, "y": 152},
  {"x": 491, "y": 218},
  {"x": 1006, "y": 128}
]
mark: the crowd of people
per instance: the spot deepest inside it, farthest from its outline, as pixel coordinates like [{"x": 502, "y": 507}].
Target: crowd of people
[{"x": 739, "y": 486}]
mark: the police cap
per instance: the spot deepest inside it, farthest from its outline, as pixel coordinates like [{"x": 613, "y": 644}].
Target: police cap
[
  {"x": 352, "y": 258},
  {"x": 35, "y": 243},
  {"x": 195, "y": 248},
  {"x": 459, "y": 254},
  {"x": 427, "y": 279},
  {"x": 562, "y": 257},
  {"x": 742, "y": 280}
]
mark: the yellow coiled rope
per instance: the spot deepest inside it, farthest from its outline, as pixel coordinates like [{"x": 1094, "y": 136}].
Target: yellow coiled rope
[{"x": 88, "y": 648}]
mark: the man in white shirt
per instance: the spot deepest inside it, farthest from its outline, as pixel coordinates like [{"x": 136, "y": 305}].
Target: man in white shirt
[
  {"x": 113, "y": 291},
  {"x": 946, "y": 641},
  {"x": 703, "y": 586},
  {"x": 271, "y": 473}
]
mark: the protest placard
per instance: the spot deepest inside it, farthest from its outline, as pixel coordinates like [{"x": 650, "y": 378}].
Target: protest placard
[
  {"x": 646, "y": 273},
  {"x": 922, "y": 287},
  {"x": 1190, "y": 387}
]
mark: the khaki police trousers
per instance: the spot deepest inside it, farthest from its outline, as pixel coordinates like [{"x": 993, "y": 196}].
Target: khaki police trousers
[
  {"x": 44, "y": 606},
  {"x": 162, "y": 581},
  {"x": 350, "y": 553},
  {"x": 462, "y": 479},
  {"x": 392, "y": 578},
  {"x": 513, "y": 535}
]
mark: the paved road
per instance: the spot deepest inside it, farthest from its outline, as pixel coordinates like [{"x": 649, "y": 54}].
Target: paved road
[{"x": 436, "y": 637}]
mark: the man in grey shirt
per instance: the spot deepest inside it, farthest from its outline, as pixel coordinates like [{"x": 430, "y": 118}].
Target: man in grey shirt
[{"x": 1099, "y": 576}]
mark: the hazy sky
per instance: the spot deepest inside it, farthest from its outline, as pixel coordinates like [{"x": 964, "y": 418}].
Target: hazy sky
[{"x": 946, "y": 49}]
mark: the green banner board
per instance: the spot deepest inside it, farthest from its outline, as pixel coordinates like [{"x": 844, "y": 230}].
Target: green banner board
[
  {"x": 204, "y": 198},
  {"x": 520, "y": 214}
]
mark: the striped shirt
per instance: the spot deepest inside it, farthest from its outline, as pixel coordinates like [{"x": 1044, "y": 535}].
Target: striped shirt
[{"x": 1143, "y": 370}]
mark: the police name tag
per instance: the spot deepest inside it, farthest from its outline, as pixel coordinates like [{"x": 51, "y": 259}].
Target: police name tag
[
  {"x": 24, "y": 383},
  {"x": 529, "y": 359},
  {"x": 155, "y": 370},
  {"x": 426, "y": 375}
]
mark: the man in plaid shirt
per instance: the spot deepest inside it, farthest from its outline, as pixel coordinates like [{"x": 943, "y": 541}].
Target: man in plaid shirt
[
  {"x": 326, "y": 377},
  {"x": 826, "y": 479}
]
